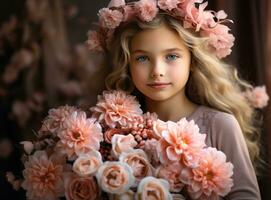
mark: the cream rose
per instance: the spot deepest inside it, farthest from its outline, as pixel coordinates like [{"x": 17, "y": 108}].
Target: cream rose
[
  {"x": 129, "y": 195},
  {"x": 138, "y": 161},
  {"x": 122, "y": 143},
  {"x": 88, "y": 164},
  {"x": 81, "y": 188},
  {"x": 115, "y": 177},
  {"x": 153, "y": 188}
]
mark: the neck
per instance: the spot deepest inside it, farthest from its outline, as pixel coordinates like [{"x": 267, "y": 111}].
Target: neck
[{"x": 172, "y": 109}]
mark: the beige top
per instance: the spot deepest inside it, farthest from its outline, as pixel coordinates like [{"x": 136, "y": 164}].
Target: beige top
[{"x": 224, "y": 133}]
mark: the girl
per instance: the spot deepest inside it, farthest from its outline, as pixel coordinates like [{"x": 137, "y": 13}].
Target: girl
[{"x": 167, "y": 54}]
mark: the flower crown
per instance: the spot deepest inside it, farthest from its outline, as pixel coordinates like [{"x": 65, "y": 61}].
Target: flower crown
[{"x": 190, "y": 13}]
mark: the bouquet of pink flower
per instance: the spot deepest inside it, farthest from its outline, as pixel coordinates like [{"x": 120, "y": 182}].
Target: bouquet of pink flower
[{"x": 120, "y": 153}]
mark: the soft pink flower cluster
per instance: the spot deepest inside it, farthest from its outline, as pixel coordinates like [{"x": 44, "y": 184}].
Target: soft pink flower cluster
[
  {"x": 120, "y": 153},
  {"x": 257, "y": 97},
  {"x": 207, "y": 22}
]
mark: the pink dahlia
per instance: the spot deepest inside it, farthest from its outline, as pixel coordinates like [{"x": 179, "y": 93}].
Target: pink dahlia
[
  {"x": 79, "y": 135},
  {"x": 147, "y": 9},
  {"x": 43, "y": 177},
  {"x": 110, "y": 18},
  {"x": 179, "y": 141},
  {"x": 257, "y": 97},
  {"x": 54, "y": 121},
  {"x": 212, "y": 178},
  {"x": 116, "y": 109}
]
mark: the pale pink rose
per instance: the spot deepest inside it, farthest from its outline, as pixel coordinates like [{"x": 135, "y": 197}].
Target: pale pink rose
[
  {"x": 43, "y": 177},
  {"x": 21, "y": 112},
  {"x": 79, "y": 135},
  {"x": 122, "y": 143},
  {"x": 220, "y": 40},
  {"x": 153, "y": 188},
  {"x": 212, "y": 178},
  {"x": 116, "y": 108},
  {"x": 180, "y": 140},
  {"x": 115, "y": 177},
  {"x": 110, "y": 18},
  {"x": 94, "y": 41},
  {"x": 138, "y": 161},
  {"x": 81, "y": 188},
  {"x": 177, "y": 197},
  {"x": 71, "y": 89},
  {"x": 168, "y": 4},
  {"x": 147, "y": 9},
  {"x": 87, "y": 164},
  {"x": 257, "y": 97},
  {"x": 150, "y": 149},
  {"x": 116, "y": 3},
  {"x": 55, "y": 119},
  {"x": 6, "y": 148},
  {"x": 28, "y": 146},
  {"x": 171, "y": 172},
  {"x": 129, "y": 195}
]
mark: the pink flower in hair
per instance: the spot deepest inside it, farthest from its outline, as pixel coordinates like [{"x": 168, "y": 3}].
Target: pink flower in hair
[
  {"x": 147, "y": 9},
  {"x": 110, "y": 18},
  {"x": 168, "y": 4},
  {"x": 94, "y": 41},
  {"x": 129, "y": 12},
  {"x": 43, "y": 177},
  {"x": 219, "y": 39},
  {"x": 116, "y": 108},
  {"x": 179, "y": 141},
  {"x": 80, "y": 135},
  {"x": 257, "y": 97}
]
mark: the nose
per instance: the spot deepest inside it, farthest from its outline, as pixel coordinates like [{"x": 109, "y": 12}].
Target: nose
[{"x": 158, "y": 69}]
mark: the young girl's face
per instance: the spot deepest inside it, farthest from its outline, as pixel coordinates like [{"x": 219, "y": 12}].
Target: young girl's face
[{"x": 159, "y": 63}]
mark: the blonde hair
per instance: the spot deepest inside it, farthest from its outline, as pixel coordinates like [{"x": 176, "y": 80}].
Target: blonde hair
[{"x": 212, "y": 82}]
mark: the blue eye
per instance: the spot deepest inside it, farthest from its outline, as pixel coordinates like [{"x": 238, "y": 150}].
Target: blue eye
[
  {"x": 171, "y": 57},
  {"x": 141, "y": 58}
]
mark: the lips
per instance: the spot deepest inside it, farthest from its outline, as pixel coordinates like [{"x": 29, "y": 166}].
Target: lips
[{"x": 158, "y": 85}]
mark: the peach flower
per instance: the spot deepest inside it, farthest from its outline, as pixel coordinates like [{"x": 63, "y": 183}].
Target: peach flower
[
  {"x": 88, "y": 164},
  {"x": 28, "y": 146},
  {"x": 257, "y": 97},
  {"x": 110, "y": 18},
  {"x": 147, "y": 9},
  {"x": 81, "y": 188},
  {"x": 138, "y": 161},
  {"x": 122, "y": 143},
  {"x": 116, "y": 108},
  {"x": 212, "y": 178},
  {"x": 180, "y": 141},
  {"x": 55, "y": 119},
  {"x": 79, "y": 135},
  {"x": 171, "y": 172},
  {"x": 43, "y": 177},
  {"x": 115, "y": 177},
  {"x": 153, "y": 188}
]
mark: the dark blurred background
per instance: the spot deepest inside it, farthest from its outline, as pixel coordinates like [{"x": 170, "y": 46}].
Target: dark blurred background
[{"x": 44, "y": 64}]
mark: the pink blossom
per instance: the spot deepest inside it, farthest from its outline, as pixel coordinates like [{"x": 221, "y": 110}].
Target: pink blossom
[
  {"x": 115, "y": 177},
  {"x": 147, "y": 9},
  {"x": 171, "y": 172},
  {"x": 110, "y": 18},
  {"x": 220, "y": 40},
  {"x": 168, "y": 4},
  {"x": 180, "y": 141},
  {"x": 79, "y": 135},
  {"x": 138, "y": 161},
  {"x": 28, "y": 146},
  {"x": 116, "y": 108},
  {"x": 53, "y": 123},
  {"x": 81, "y": 188},
  {"x": 150, "y": 148},
  {"x": 257, "y": 97},
  {"x": 122, "y": 143},
  {"x": 43, "y": 177},
  {"x": 129, "y": 13},
  {"x": 94, "y": 41},
  {"x": 116, "y": 3},
  {"x": 212, "y": 178}
]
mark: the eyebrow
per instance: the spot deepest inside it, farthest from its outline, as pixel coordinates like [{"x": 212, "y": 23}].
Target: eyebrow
[{"x": 166, "y": 50}]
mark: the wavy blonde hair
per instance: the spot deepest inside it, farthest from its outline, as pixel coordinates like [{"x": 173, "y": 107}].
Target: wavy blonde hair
[{"x": 212, "y": 82}]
